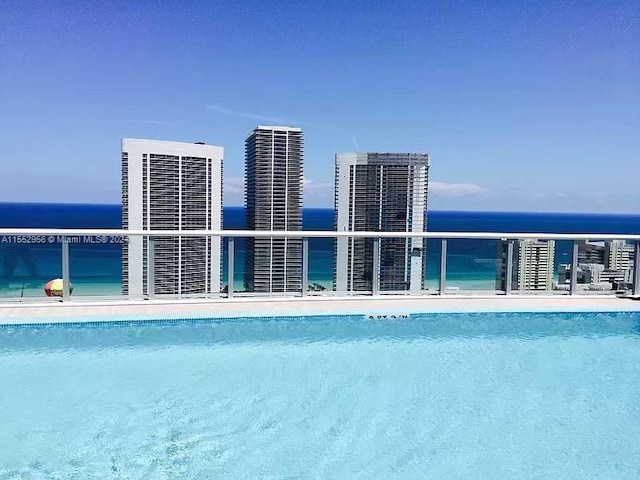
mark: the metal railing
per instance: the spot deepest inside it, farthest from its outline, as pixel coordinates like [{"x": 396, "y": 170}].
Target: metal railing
[{"x": 68, "y": 237}]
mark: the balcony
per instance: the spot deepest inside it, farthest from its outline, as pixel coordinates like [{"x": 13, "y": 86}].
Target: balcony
[{"x": 91, "y": 261}]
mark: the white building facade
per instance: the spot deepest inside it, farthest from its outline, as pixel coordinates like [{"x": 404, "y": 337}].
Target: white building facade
[
  {"x": 533, "y": 265},
  {"x": 171, "y": 186},
  {"x": 619, "y": 255}
]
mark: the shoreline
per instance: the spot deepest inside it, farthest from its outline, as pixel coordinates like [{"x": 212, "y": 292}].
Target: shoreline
[{"x": 35, "y": 289}]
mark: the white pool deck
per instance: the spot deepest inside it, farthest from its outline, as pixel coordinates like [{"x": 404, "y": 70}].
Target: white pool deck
[{"x": 25, "y": 313}]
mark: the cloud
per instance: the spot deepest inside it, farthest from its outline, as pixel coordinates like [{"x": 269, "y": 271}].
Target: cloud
[
  {"x": 321, "y": 193},
  {"x": 311, "y": 185},
  {"x": 317, "y": 194},
  {"x": 234, "y": 185},
  {"x": 233, "y": 191},
  {"x": 455, "y": 189},
  {"x": 253, "y": 116}
]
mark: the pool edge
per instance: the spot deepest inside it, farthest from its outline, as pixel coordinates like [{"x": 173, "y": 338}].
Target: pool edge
[{"x": 82, "y": 312}]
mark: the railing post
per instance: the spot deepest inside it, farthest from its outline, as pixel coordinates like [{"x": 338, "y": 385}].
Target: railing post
[
  {"x": 509, "y": 273},
  {"x": 231, "y": 254},
  {"x": 636, "y": 270},
  {"x": 151, "y": 268},
  {"x": 305, "y": 266},
  {"x": 443, "y": 267},
  {"x": 574, "y": 269},
  {"x": 375, "y": 278},
  {"x": 66, "y": 291}
]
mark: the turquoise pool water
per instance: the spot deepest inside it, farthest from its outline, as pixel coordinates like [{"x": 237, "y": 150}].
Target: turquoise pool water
[{"x": 432, "y": 396}]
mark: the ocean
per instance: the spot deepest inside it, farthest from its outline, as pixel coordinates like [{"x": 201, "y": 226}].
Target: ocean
[{"x": 96, "y": 269}]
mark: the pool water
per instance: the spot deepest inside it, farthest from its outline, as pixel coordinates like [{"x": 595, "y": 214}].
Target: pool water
[{"x": 431, "y": 396}]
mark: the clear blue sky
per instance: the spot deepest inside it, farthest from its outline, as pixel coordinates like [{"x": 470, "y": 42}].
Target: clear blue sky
[{"x": 522, "y": 105}]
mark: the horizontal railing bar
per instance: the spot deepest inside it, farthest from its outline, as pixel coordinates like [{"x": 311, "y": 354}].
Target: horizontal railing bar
[{"x": 37, "y": 232}]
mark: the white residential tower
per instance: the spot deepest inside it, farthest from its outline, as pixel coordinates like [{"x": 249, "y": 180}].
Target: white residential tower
[{"x": 171, "y": 186}]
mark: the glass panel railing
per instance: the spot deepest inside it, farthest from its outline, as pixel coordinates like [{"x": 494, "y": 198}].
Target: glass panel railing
[
  {"x": 95, "y": 265},
  {"x": 603, "y": 267},
  {"x": 27, "y": 263},
  {"x": 533, "y": 262},
  {"x": 563, "y": 252},
  {"x": 432, "y": 280},
  {"x": 354, "y": 265},
  {"x": 224, "y": 267},
  {"x": 142, "y": 267},
  {"x": 321, "y": 253},
  {"x": 401, "y": 263},
  {"x": 189, "y": 266},
  {"x": 472, "y": 265},
  {"x": 237, "y": 246},
  {"x": 273, "y": 269}
]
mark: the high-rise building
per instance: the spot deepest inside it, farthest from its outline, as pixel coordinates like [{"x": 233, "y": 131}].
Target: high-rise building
[
  {"x": 600, "y": 263},
  {"x": 587, "y": 273},
  {"x": 533, "y": 265},
  {"x": 618, "y": 255},
  {"x": 273, "y": 197},
  {"x": 171, "y": 186},
  {"x": 591, "y": 252},
  {"x": 380, "y": 192}
]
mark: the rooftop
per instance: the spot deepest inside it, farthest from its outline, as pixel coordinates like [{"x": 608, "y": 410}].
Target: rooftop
[{"x": 83, "y": 311}]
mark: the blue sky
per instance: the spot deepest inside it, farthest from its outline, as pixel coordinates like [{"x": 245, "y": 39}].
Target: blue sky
[{"x": 522, "y": 105}]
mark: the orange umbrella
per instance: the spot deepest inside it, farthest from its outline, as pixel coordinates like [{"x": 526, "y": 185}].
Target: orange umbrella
[{"x": 53, "y": 288}]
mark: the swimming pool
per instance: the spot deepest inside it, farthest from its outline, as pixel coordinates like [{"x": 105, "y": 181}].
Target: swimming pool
[{"x": 430, "y": 396}]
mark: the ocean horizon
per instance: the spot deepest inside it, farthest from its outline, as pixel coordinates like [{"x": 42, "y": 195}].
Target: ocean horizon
[{"x": 96, "y": 269}]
